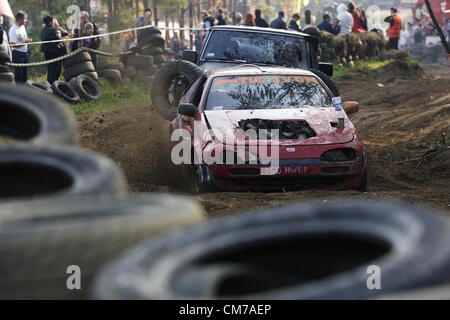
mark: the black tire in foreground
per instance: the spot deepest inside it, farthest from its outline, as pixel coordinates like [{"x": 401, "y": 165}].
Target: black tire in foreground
[
  {"x": 40, "y": 239},
  {"x": 328, "y": 82},
  {"x": 65, "y": 91},
  {"x": 35, "y": 171},
  {"x": 31, "y": 116},
  {"x": 170, "y": 84},
  {"x": 86, "y": 87},
  {"x": 320, "y": 251}
]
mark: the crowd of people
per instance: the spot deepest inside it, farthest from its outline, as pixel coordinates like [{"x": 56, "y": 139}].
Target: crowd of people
[{"x": 349, "y": 19}]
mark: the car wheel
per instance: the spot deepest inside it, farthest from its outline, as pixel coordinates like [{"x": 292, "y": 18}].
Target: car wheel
[{"x": 362, "y": 186}]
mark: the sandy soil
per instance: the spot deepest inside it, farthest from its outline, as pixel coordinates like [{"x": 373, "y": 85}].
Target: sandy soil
[{"x": 404, "y": 120}]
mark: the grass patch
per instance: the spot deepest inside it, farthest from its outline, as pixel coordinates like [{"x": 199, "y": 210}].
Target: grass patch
[
  {"x": 114, "y": 97},
  {"x": 373, "y": 64}
]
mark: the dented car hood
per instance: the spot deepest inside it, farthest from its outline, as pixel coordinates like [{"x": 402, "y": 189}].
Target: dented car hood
[{"x": 225, "y": 125}]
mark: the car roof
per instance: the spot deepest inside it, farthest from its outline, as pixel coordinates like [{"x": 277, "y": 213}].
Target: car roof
[
  {"x": 264, "y": 30},
  {"x": 253, "y": 69}
]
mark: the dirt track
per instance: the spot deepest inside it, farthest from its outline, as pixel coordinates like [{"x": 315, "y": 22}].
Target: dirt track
[{"x": 404, "y": 120}]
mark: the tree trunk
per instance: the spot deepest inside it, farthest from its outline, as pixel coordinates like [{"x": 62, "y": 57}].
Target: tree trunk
[
  {"x": 181, "y": 22},
  {"x": 155, "y": 12}
]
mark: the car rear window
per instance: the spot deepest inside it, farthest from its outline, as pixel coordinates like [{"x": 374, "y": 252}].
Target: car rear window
[
  {"x": 256, "y": 47},
  {"x": 267, "y": 92}
]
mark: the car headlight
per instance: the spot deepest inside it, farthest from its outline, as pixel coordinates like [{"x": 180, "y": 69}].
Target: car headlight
[{"x": 339, "y": 155}]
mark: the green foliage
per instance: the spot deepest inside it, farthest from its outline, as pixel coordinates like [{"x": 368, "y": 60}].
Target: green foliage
[
  {"x": 360, "y": 66},
  {"x": 114, "y": 97}
]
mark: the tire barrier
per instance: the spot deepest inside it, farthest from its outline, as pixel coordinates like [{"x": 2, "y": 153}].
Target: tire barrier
[
  {"x": 86, "y": 87},
  {"x": 40, "y": 239},
  {"x": 321, "y": 251},
  {"x": 112, "y": 76},
  {"x": 172, "y": 77},
  {"x": 36, "y": 171},
  {"x": 65, "y": 91},
  {"x": 31, "y": 116},
  {"x": 41, "y": 86}
]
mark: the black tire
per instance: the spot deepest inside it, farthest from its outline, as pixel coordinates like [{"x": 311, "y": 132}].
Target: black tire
[
  {"x": 141, "y": 34},
  {"x": 77, "y": 69},
  {"x": 364, "y": 182},
  {"x": 111, "y": 75},
  {"x": 34, "y": 117},
  {"x": 93, "y": 75},
  {"x": 151, "y": 50},
  {"x": 4, "y": 69},
  {"x": 80, "y": 57},
  {"x": 115, "y": 66},
  {"x": 4, "y": 55},
  {"x": 320, "y": 251},
  {"x": 139, "y": 61},
  {"x": 328, "y": 82},
  {"x": 43, "y": 237},
  {"x": 35, "y": 171},
  {"x": 159, "y": 59},
  {"x": 130, "y": 72},
  {"x": 65, "y": 91},
  {"x": 41, "y": 86},
  {"x": 86, "y": 87},
  {"x": 154, "y": 39},
  {"x": 180, "y": 71},
  {"x": 7, "y": 77}
]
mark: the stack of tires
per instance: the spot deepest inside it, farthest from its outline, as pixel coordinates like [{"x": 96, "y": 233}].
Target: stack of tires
[
  {"x": 6, "y": 74},
  {"x": 113, "y": 73},
  {"x": 64, "y": 211},
  {"x": 81, "y": 63}
]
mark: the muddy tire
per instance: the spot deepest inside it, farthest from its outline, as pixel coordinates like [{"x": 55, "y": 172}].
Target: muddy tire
[
  {"x": 78, "y": 69},
  {"x": 35, "y": 171},
  {"x": 328, "y": 82},
  {"x": 114, "y": 66},
  {"x": 34, "y": 117},
  {"x": 145, "y": 33},
  {"x": 174, "y": 76},
  {"x": 7, "y": 77},
  {"x": 41, "y": 238},
  {"x": 364, "y": 182},
  {"x": 111, "y": 75},
  {"x": 93, "y": 75},
  {"x": 320, "y": 251},
  {"x": 140, "y": 61},
  {"x": 151, "y": 50},
  {"x": 65, "y": 91},
  {"x": 154, "y": 39},
  {"x": 41, "y": 86},
  {"x": 86, "y": 87},
  {"x": 159, "y": 59},
  {"x": 81, "y": 57}
]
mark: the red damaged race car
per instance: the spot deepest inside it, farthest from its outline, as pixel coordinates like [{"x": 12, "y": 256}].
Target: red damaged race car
[{"x": 253, "y": 128}]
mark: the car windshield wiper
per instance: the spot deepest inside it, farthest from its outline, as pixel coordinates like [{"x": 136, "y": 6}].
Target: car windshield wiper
[{"x": 225, "y": 60}]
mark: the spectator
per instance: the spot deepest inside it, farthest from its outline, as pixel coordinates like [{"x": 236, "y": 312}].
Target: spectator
[
  {"x": 238, "y": 18},
  {"x": 447, "y": 25},
  {"x": 279, "y": 22},
  {"x": 364, "y": 23},
  {"x": 395, "y": 28},
  {"x": 208, "y": 21},
  {"x": 293, "y": 25},
  {"x": 345, "y": 18},
  {"x": 144, "y": 20},
  {"x": 93, "y": 43},
  {"x": 4, "y": 42},
  {"x": 52, "y": 50},
  {"x": 219, "y": 17},
  {"x": 418, "y": 34},
  {"x": 358, "y": 19},
  {"x": 18, "y": 35},
  {"x": 325, "y": 25},
  {"x": 406, "y": 37},
  {"x": 175, "y": 44},
  {"x": 259, "y": 21},
  {"x": 249, "y": 20}
]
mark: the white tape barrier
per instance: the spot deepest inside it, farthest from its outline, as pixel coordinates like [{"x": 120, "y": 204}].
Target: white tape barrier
[{"x": 104, "y": 35}]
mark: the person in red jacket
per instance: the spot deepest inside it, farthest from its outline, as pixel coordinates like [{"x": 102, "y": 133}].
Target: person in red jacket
[
  {"x": 395, "y": 28},
  {"x": 358, "y": 18}
]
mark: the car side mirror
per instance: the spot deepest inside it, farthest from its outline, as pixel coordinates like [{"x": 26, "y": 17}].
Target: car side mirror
[
  {"x": 190, "y": 55},
  {"x": 351, "y": 107},
  {"x": 187, "y": 109},
  {"x": 326, "y": 68}
]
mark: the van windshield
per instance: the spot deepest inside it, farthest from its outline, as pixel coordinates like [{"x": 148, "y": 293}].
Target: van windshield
[
  {"x": 256, "y": 47},
  {"x": 267, "y": 92}
]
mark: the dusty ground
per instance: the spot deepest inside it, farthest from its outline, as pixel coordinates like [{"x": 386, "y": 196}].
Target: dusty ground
[{"x": 404, "y": 121}]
